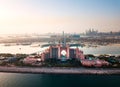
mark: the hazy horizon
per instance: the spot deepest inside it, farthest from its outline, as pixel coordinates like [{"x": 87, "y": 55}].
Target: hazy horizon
[{"x": 71, "y": 16}]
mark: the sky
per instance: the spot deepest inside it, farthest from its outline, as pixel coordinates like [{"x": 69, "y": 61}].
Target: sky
[{"x": 55, "y": 16}]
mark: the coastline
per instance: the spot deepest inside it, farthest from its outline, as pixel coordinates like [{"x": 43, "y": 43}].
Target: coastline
[{"x": 60, "y": 70}]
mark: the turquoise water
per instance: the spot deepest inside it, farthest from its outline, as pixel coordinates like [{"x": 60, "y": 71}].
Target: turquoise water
[
  {"x": 46, "y": 80},
  {"x": 113, "y": 49}
]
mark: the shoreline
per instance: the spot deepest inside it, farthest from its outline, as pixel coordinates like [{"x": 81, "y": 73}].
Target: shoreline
[{"x": 61, "y": 70}]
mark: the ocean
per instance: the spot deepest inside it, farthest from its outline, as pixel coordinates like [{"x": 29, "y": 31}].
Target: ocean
[
  {"x": 58, "y": 80},
  {"x": 113, "y": 49}
]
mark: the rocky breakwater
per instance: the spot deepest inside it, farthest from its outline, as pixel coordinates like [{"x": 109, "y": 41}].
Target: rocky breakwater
[{"x": 59, "y": 70}]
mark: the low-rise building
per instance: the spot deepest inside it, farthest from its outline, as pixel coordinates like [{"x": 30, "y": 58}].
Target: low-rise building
[
  {"x": 94, "y": 63},
  {"x": 31, "y": 60}
]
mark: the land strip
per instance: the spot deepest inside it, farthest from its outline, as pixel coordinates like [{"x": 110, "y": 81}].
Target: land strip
[{"x": 60, "y": 70}]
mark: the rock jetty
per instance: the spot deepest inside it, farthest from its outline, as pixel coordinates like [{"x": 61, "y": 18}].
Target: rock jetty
[{"x": 60, "y": 70}]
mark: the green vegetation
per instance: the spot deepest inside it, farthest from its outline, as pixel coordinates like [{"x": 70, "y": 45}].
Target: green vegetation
[
  {"x": 17, "y": 60},
  {"x": 114, "y": 61},
  {"x": 59, "y": 63},
  {"x": 12, "y": 59},
  {"x": 6, "y": 55}
]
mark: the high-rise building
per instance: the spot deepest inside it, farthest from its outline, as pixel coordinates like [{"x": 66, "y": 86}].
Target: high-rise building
[{"x": 62, "y": 52}]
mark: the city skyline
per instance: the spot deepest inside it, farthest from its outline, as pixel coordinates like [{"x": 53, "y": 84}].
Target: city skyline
[{"x": 43, "y": 16}]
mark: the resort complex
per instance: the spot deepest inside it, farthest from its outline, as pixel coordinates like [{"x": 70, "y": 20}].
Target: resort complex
[
  {"x": 60, "y": 57},
  {"x": 63, "y": 53}
]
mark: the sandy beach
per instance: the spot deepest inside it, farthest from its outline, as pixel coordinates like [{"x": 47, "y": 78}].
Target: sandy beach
[{"x": 58, "y": 70}]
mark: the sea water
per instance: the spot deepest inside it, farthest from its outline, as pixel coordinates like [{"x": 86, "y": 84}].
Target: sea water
[
  {"x": 58, "y": 80},
  {"x": 109, "y": 49}
]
